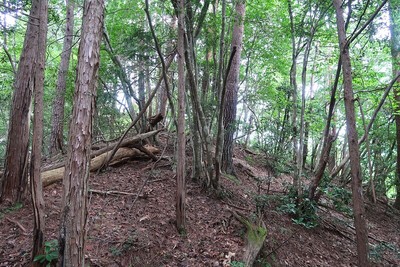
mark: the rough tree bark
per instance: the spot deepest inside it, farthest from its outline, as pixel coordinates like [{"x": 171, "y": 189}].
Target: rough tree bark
[
  {"x": 354, "y": 151},
  {"x": 14, "y": 180},
  {"x": 394, "y": 10},
  {"x": 36, "y": 155},
  {"x": 232, "y": 87},
  {"x": 75, "y": 185},
  {"x": 180, "y": 168},
  {"x": 57, "y": 120}
]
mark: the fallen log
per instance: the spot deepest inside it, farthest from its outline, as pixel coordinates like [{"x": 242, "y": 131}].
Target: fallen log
[
  {"x": 129, "y": 142},
  {"x": 51, "y": 176}
]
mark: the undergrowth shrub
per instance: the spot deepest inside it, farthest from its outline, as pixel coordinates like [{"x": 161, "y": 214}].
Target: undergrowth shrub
[
  {"x": 340, "y": 197},
  {"x": 376, "y": 252},
  {"x": 302, "y": 209},
  {"x": 50, "y": 255}
]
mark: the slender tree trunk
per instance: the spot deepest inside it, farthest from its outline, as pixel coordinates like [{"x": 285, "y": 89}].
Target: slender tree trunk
[
  {"x": 219, "y": 73},
  {"x": 309, "y": 110},
  {"x": 148, "y": 91},
  {"x": 394, "y": 9},
  {"x": 36, "y": 155},
  {"x": 75, "y": 184},
  {"x": 293, "y": 86},
  {"x": 203, "y": 132},
  {"x": 232, "y": 87},
  {"x": 220, "y": 130},
  {"x": 327, "y": 138},
  {"x": 180, "y": 168},
  {"x": 57, "y": 120},
  {"x": 300, "y": 149},
  {"x": 163, "y": 93},
  {"x": 142, "y": 90},
  {"x": 14, "y": 180},
  {"x": 354, "y": 151}
]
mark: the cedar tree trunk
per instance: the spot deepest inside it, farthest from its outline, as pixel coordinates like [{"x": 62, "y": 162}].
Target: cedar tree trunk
[
  {"x": 232, "y": 87},
  {"x": 14, "y": 180},
  {"x": 180, "y": 168},
  {"x": 36, "y": 155},
  {"x": 354, "y": 150},
  {"x": 75, "y": 184}
]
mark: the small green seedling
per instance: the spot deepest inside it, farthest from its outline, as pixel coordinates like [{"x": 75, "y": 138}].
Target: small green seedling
[{"x": 50, "y": 253}]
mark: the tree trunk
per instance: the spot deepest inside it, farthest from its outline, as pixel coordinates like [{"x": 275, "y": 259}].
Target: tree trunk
[
  {"x": 36, "y": 155},
  {"x": 14, "y": 180},
  {"x": 232, "y": 87},
  {"x": 75, "y": 185},
  {"x": 203, "y": 133},
  {"x": 57, "y": 121},
  {"x": 354, "y": 151},
  {"x": 327, "y": 139},
  {"x": 142, "y": 91},
  {"x": 293, "y": 86},
  {"x": 180, "y": 168},
  {"x": 394, "y": 10}
]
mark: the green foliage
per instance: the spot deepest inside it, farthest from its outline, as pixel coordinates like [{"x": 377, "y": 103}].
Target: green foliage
[
  {"x": 223, "y": 193},
  {"x": 14, "y": 207},
  {"x": 340, "y": 197},
  {"x": 377, "y": 251},
  {"x": 302, "y": 209},
  {"x": 237, "y": 264},
  {"x": 263, "y": 263},
  {"x": 50, "y": 253}
]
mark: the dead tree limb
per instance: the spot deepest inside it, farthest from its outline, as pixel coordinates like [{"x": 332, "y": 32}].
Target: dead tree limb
[
  {"x": 52, "y": 176},
  {"x": 129, "y": 142}
]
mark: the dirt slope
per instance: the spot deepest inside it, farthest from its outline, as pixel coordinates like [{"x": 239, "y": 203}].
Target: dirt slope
[{"x": 135, "y": 227}]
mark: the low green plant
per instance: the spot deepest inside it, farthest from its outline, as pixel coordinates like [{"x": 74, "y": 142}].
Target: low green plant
[
  {"x": 306, "y": 214},
  {"x": 376, "y": 252},
  {"x": 249, "y": 160},
  {"x": 340, "y": 197},
  {"x": 263, "y": 263},
  {"x": 237, "y": 264},
  {"x": 50, "y": 253},
  {"x": 302, "y": 209},
  {"x": 224, "y": 193},
  {"x": 14, "y": 207}
]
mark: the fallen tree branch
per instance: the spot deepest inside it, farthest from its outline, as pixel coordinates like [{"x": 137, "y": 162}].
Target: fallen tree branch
[
  {"x": 17, "y": 223},
  {"x": 52, "y": 176},
  {"x": 110, "y": 192},
  {"x": 116, "y": 193},
  {"x": 128, "y": 142}
]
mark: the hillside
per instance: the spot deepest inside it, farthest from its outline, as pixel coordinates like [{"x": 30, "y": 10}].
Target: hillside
[{"x": 132, "y": 211}]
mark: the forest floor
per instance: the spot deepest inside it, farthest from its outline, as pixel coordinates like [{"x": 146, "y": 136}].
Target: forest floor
[{"x": 131, "y": 221}]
